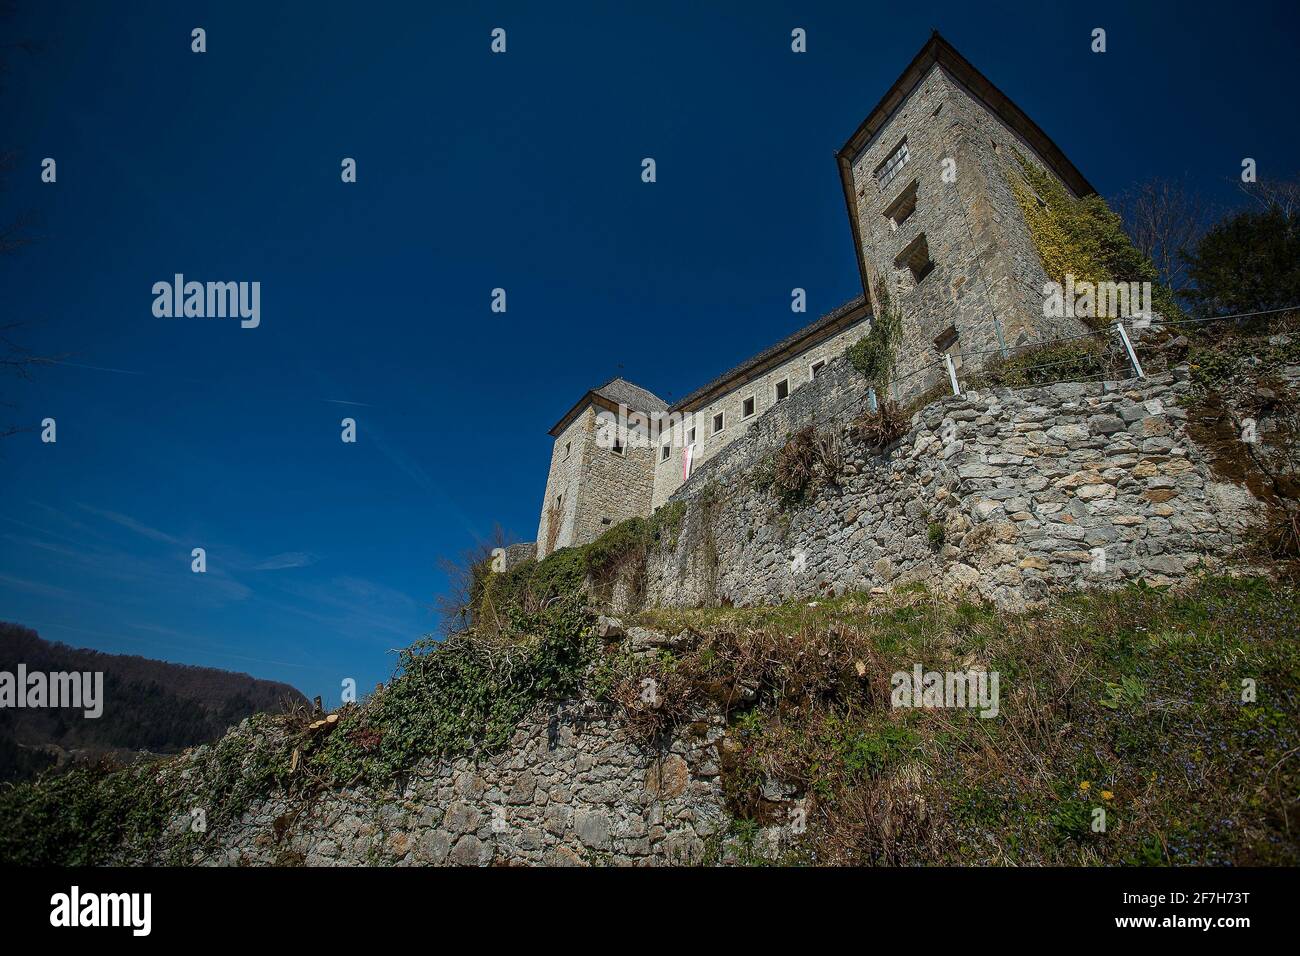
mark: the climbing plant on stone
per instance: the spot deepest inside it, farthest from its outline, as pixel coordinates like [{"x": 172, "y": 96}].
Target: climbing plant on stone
[{"x": 1083, "y": 238}]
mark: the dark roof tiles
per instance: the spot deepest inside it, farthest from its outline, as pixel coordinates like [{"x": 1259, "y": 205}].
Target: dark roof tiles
[{"x": 810, "y": 331}]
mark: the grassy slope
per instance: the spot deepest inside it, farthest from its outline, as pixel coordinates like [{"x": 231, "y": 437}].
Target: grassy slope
[
  {"x": 1128, "y": 700},
  {"x": 1133, "y": 693}
]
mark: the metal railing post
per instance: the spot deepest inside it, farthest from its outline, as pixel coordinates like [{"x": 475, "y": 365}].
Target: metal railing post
[
  {"x": 1128, "y": 347},
  {"x": 952, "y": 373}
]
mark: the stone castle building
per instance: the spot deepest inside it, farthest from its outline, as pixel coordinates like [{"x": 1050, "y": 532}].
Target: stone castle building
[{"x": 940, "y": 239}]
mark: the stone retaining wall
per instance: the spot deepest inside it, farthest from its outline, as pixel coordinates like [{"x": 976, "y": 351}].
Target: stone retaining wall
[
  {"x": 571, "y": 787},
  {"x": 1003, "y": 494}
]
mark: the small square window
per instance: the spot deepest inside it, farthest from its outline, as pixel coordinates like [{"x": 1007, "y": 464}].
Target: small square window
[
  {"x": 916, "y": 258},
  {"x": 816, "y": 368},
  {"x": 718, "y": 422},
  {"x": 618, "y": 448},
  {"x": 690, "y": 436},
  {"x": 783, "y": 389},
  {"x": 901, "y": 209},
  {"x": 747, "y": 407},
  {"x": 568, "y": 446},
  {"x": 667, "y": 450}
]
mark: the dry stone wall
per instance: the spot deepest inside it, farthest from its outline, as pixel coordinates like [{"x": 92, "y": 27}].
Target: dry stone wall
[
  {"x": 570, "y": 788},
  {"x": 1003, "y": 494}
]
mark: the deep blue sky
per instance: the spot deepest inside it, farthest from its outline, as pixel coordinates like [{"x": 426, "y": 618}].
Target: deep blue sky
[{"x": 475, "y": 171}]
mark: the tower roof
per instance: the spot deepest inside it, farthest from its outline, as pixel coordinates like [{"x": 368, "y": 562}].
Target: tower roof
[
  {"x": 615, "y": 392},
  {"x": 938, "y": 50}
]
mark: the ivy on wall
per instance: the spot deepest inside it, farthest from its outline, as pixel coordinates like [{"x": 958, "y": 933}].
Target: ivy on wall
[
  {"x": 1083, "y": 238},
  {"x": 873, "y": 354}
]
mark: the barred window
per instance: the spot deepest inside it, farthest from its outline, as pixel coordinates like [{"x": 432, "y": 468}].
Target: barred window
[{"x": 891, "y": 167}]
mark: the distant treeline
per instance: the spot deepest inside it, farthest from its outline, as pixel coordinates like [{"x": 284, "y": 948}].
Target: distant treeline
[{"x": 148, "y": 705}]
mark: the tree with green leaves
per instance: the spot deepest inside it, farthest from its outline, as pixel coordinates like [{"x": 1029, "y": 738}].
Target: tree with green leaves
[{"x": 1247, "y": 263}]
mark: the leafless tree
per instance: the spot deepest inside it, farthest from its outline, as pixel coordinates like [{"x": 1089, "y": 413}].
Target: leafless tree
[
  {"x": 1282, "y": 193},
  {"x": 1163, "y": 217},
  {"x": 15, "y": 360}
]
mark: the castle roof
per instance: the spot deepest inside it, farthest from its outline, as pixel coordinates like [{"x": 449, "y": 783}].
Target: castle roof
[
  {"x": 615, "y": 392},
  {"x": 806, "y": 337},
  {"x": 622, "y": 392}
]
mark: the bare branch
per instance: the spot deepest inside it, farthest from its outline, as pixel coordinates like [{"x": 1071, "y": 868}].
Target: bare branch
[
  {"x": 1165, "y": 217},
  {"x": 1267, "y": 193}
]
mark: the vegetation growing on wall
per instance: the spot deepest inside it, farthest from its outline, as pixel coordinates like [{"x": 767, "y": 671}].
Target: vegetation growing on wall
[
  {"x": 810, "y": 459},
  {"x": 1126, "y": 701},
  {"x": 1075, "y": 361},
  {"x": 1245, "y": 417},
  {"x": 873, "y": 354},
  {"x": 881, "y": 428},
  {"x": 459, "y": 696},
  {"x": 531, "y": 585},
  {"x": 1083, "y": 238}
]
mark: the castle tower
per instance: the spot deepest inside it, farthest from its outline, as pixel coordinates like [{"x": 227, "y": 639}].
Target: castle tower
[
  {"x": 939, "y": 231},
  {"x": 599, "y": 474}
]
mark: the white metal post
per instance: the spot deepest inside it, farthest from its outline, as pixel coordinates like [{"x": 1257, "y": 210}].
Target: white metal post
[
  {"x": 952, "y": 373},
  {"x": 1128, "y": 347}
]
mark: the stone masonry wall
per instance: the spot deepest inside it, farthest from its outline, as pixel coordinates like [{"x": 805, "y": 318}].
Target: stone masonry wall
[
  {"x": 596, "y": 488},
  {"x": 1024, "y": 485},
  {"x": 570, "y": 788},
  {"x": 796, "y": 371},
  {"x": 615, "y": 486},
  {"x": 560, "y": 501}
]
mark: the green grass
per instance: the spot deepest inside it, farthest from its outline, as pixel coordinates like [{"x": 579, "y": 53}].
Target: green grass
[{"x": 1129, "y": 701}]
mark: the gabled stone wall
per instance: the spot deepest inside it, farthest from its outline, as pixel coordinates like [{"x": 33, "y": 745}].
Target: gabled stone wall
[
  {"x": 596, "y": 488},
  {"x": 987, "y": 280}
]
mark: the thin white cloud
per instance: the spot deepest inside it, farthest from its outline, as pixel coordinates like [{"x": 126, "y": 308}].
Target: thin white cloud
[
  {"x": 126, "y": 521},
  {"x": 35, "y": 587},
  {"x": 43, "y": 545},
  {"x": 289, "y": 559}
]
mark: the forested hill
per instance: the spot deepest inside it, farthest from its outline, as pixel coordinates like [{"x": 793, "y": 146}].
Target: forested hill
[{"x": 148, "y": 705}]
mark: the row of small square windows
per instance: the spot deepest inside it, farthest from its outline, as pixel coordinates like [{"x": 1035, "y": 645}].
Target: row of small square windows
[{"x": 747, "y": 408}]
